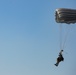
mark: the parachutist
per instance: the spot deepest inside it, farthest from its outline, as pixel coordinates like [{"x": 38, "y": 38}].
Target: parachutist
[
  {"x": 60, "y": 58},
  {"x": 68, "y": 16}
]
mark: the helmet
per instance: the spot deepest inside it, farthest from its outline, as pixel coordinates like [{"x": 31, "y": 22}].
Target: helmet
[{"x": 62, "y": 50}]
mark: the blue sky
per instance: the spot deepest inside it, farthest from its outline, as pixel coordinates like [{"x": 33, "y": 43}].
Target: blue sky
[{"x": 29, "y": 38}]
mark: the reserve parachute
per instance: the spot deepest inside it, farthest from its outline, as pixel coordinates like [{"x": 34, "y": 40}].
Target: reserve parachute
[{"x": 67, "y": 16}]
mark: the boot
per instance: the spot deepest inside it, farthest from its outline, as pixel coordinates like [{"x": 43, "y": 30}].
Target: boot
[{"x": 56, "y": 64}]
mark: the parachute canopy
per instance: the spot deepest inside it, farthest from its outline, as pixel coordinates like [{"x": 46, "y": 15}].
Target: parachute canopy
[{"x": 64, "y": 15}]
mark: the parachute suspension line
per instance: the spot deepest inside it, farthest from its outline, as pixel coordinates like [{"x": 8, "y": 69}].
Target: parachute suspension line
[
  {"x": 63, "y": 35},
  {"x": 66, "y": 36},
  {"x": 69, "y": 29},
  {"x": 60, "y": 27},
  {"x": 64, "y": 32}
]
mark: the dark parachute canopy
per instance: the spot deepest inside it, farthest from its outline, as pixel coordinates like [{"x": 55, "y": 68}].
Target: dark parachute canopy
[{"x": 64, "y": 15}]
